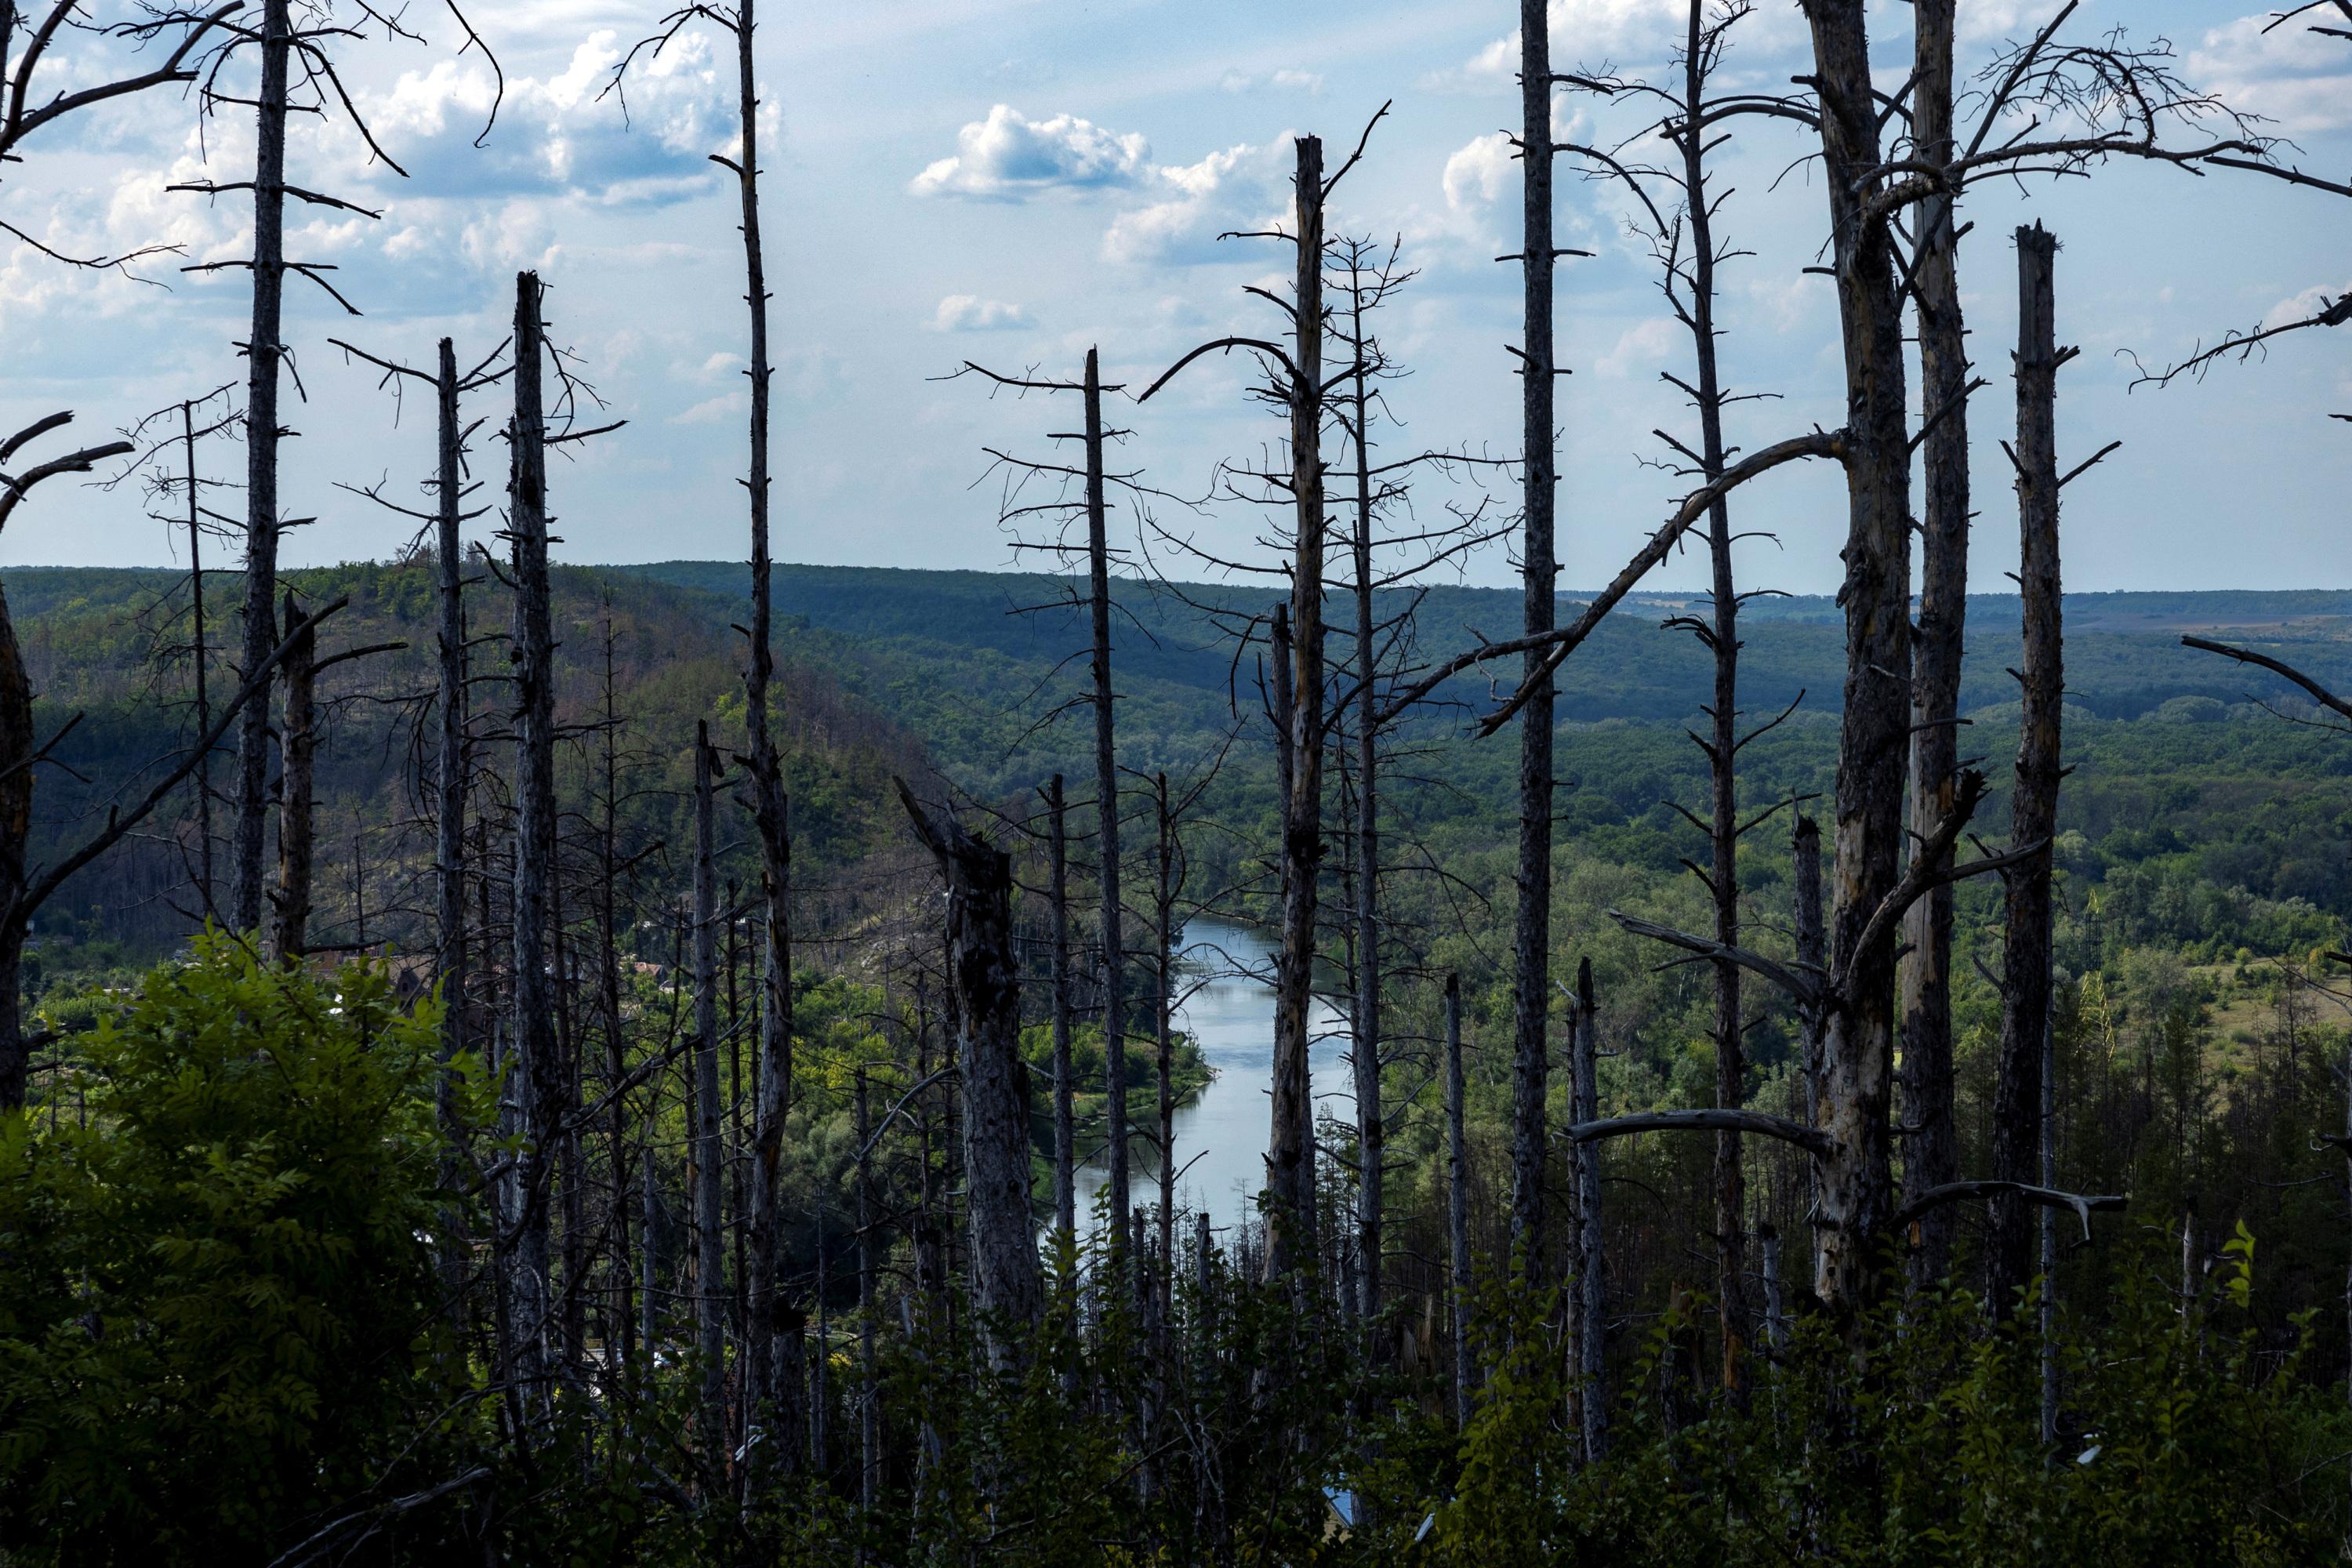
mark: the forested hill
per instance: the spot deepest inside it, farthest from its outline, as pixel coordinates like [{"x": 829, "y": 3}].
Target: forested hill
[
  {"x": 2223, "y": 822},
  {"x": 2124, "y": 656},
  {"x": 110, "y": 650}
]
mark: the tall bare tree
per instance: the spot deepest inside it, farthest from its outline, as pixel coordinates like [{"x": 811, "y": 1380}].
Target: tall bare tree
[
  {"x": 2017, "y": 1113},
  {"x": 774, "y": 1336}
]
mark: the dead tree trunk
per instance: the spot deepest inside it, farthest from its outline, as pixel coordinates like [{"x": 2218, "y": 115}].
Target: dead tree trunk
[
  {"x": 449, "y": 786},
  {"x": 985, "y": 990},
  {"x": 1364, "y": 1048},
  {"x": 202, "y": 653},
  {"x": 1592, "y": 1261},
  {"x": 1457, "y": 1203},
  {"x": 1114, "y": 953},
  {"x": 1531, "y": 934},
  {"x": 1721, "y": 635},
  {"x": 1065, "y": 1132},
  {"x": 264, "y": 348},
  {"x": 772, "y": 1336},
  {"x": 710, "y": 1301},
  {"x": 2025, "y": 958},
  {"x": 1931, "y": 1153},
  {"x": 1290, "y": 1157},
  {"x": 538, "y": 1074},
  {"x": 1858, "y": 1048},
  {"x": 1814, "y": 956},
  {"x": 1163, "y": 938},
  {"x": 608, "y": 977},
  {"x": 298, "y": 746}
]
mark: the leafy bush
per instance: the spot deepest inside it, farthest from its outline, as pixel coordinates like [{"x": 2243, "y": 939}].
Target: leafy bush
[{"x": 219, "y": 1312}]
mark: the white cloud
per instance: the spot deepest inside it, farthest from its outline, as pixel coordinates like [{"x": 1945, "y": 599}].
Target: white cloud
[
  {"x": 649, "y": 141},
  {"x": 2304, "y": 306},
  {"x": 1476, "y": 175},
  {"x": 1643, "y": 344},
  {"x": 970, "y": 313},
  {"x": 2296, "y": 77},
  {"x": 1615, "y": 32},
  {"x": 1283, "y": 80},
  {"x": 1243, "y": 188},
  {"x": 1009, "y": 157}
]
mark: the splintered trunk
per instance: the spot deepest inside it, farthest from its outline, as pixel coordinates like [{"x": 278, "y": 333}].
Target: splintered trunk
[
  {"x": 1114, "y": 953},
  {"x": 449, "y": 794},
  {"x": 264, "y": 348},
  {"x": 1859, "y": 1046},
  {"x": 538, "y": 1075},
  {"x": 985, "y": 994},
  {"x": 298, "y": 745},
  {"x": 1531, "y": 935},
  {"x": 1931, "y": 1150},
  {"x": 1290, "y": 1163},
  {"x": 2025, "y": 955},
  {"x": 710, "y": 1300},
  {"x": 772, "y": 1335},
  {"x": 1457, "y": 1203},
  {"x": 869, "y": 1407},
  {"x": 1065, "y": 1126}
]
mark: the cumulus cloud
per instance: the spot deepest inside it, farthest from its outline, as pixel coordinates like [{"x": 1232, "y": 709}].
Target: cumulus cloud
[
  {"x": 2295, "y": 76},
  {"x": 1242, "y": 187},
  {"x": 1479, "y": 174},
  {"x": 1010, "y": 157},
  {"x": 1624, "y": 32},
  {"x": 649, "y": 143},
  {"x": 970, "y": 313}
]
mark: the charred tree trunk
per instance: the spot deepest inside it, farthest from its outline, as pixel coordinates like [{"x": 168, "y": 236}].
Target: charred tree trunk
[
  {"x": 538, "y": 1074},
  {"x": 1931, "y": 1153},
  {"x": 1531, "y": 935},
  {"x": 710, "y": 1300},
  {"x": 298, "y": 745},
  {"x": 1066, "y": 1129},
  {"x": 2025, "y": 957},
  {"x": 1114, "y": 953},
  {"x": 985, "y": 993},
  {"x": 1457, "y": 1198},
  {"x": 1859, "y": 1046},
  {"x": 1290, "y": 1157},
  {"x": 264, "y": 348}
]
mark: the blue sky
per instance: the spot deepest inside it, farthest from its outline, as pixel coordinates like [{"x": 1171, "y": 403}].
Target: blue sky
[{"x": 1013, "y": 180}]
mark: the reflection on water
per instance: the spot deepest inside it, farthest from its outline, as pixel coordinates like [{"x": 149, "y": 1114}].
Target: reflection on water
[{"x": 1227, "y": 1007}]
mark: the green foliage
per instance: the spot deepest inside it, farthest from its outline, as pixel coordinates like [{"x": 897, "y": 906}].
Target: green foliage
[
  {"x": 1914, "y": 1437},
  {"x": 218, "y": 1308}
]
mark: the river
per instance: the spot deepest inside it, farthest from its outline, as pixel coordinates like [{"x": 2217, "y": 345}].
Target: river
[{"x": 1226, "y": 1006}]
